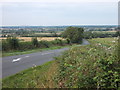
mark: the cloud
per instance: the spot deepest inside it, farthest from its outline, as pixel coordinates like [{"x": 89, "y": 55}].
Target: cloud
[{"x": 63, "y": 13}]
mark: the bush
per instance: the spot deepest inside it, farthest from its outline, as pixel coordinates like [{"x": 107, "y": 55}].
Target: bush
[
  {"x": 74, "y": 34},
  {"x": 68, "y": 41},
  {"x": 91, "y": 66},
  {"x": 13, "y": 42},
  {"x": 45, "y": 44},
  {"x": 35, "y": 41},
  {"x": 5, "y": 46},
  {"x": 117, "y": 33},
  {"x": 26, "y": 46},
  {"x": 59, "y": 42}
]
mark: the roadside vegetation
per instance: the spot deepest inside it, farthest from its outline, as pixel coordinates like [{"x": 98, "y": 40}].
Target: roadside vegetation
[
  {"x": 35, "y": 77},
  {"x": 91, "y": 66},
  {"x": 12, "y": 45}
]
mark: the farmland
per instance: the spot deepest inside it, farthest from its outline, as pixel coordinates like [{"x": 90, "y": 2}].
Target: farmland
[
  {"x": 91, "y": 66},
  {"x": 60, "y": 44},
  {"x": 30, "y": 38}
]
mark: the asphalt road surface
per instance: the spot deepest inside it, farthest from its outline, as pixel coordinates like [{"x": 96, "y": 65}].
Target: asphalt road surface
[{"x": 14, "y": 64}]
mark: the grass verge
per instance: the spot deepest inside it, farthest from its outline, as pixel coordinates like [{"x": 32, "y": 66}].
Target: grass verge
[
  {"x": 11, "y": 53},
  {"x": 35, "y": 77}
]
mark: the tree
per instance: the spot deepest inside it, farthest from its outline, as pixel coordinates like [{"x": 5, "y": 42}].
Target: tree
[
  {"x": 59, "y": 42},
  {"x": 35, "y": 42},
  {"x": 13, "y": 42},
  {"x": 74, "y": 34},
  {"x": 117, "y": 33}
]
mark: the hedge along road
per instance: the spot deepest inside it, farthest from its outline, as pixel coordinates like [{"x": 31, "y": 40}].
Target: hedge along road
[{"x": 14, "y": 64}]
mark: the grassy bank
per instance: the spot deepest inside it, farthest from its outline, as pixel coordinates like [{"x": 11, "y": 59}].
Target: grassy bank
[
  {"x": 35, "y": 77},
  {"x": 91, "y": 66}
]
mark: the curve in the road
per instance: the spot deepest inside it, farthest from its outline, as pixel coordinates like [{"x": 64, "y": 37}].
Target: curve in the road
[{"x": 14, "y": 64}]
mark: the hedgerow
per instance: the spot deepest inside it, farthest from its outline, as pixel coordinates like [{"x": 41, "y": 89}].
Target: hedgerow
[
  {"x": 93, "y": 66},
  {"x": 12, "y": 43}
]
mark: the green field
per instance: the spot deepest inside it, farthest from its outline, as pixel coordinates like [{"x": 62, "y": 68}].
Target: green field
[{"x": 90, "y": 66}]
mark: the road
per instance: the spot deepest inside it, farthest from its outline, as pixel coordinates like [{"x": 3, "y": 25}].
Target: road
[{"x": 14, "y": 64}]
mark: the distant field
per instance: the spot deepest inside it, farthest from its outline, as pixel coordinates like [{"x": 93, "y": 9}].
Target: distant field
[
  {"x": 105, "y": 31},
  {"x": 47, "y": 33},
  {"x": 39, "y": 38}
]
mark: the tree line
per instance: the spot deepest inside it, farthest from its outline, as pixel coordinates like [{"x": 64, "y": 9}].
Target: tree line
[
  {"x": 71, "y": 35},
  {"x": 90, "y": 34},
  {"x": 13, "y": 44}
]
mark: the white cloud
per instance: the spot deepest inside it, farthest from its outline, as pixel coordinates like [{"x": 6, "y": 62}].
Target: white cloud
[{"x": 62, "y": 12}]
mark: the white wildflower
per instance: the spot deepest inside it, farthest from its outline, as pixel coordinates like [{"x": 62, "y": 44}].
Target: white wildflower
[
  {"x": 34, "y": 65},
  {"x": 113, "y": 41},
  {"x": 109, "y": 48},
  {"x": 99, "y": 44}
]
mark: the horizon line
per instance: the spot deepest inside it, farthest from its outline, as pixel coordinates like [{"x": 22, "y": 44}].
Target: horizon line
[{"x": 64, "y": 25}]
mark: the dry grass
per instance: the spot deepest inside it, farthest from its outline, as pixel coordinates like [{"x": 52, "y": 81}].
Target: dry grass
[
  {"x": 49, "y": 77},
  {"x": 35, "y": 77},
  {"x": 39, "y": 38}
]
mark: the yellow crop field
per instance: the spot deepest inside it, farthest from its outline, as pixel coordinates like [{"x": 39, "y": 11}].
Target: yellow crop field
[{"x": 39, "y": 38}]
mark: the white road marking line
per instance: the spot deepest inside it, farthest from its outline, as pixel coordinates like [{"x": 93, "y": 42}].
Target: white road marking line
[
  {"x": 15, "y": 60},
  {"x": 46, "y": 53},
  {"x": 18, "y": 59},
  {"x": 27, "y": 56}
]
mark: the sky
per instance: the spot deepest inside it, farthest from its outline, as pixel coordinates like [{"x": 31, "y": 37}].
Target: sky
[{"x": 58, "y": 12}]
